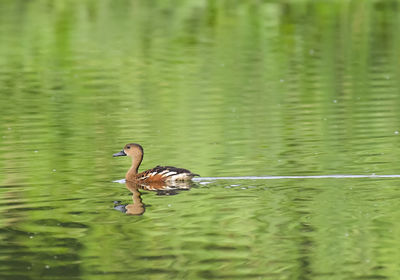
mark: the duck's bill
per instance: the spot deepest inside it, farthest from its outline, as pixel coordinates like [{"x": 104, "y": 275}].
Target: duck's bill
[{"x": 120, "y": 154}]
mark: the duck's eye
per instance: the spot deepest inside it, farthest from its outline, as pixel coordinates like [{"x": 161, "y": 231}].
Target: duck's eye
[{"x": 128, "y": 147}]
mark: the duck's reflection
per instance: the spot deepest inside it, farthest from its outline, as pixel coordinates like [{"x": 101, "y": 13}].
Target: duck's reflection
[{"x": 162, "y": 188}]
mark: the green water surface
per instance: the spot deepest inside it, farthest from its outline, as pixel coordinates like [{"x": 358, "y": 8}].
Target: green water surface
[{"x": 223, "y": 88}]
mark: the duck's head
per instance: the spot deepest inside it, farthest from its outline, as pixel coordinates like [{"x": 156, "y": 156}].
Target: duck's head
[{"x": 133, "y": 150}]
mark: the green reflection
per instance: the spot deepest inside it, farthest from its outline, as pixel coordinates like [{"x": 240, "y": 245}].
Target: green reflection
[{"x": 223, "y": 88}]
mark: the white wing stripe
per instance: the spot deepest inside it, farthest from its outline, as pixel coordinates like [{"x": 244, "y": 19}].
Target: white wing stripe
[{"x": 169, "y": 174}]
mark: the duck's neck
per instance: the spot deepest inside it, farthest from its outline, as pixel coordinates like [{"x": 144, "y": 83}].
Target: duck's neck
[{"x": 134, "y": 168}]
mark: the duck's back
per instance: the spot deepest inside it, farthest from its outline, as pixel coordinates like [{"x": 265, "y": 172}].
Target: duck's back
[{"x": 165, "y": 174}]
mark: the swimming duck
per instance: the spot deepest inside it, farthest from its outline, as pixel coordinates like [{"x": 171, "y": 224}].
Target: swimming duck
[{"x": 156, "y": 174}]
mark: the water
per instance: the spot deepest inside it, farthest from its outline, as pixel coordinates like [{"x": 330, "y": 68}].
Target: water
[{"x": 239, "y": 92}]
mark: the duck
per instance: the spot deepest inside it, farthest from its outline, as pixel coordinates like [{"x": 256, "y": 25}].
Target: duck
[{"x": 156, "y": 174}]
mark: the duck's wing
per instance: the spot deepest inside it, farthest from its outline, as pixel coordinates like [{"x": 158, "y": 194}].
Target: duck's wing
[{"x": 166, "y": 173}]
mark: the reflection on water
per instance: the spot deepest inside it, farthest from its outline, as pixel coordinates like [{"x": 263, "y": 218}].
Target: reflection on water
[
  {"x": 280, "y": 89},
  {"x": 162, "y": 188}
]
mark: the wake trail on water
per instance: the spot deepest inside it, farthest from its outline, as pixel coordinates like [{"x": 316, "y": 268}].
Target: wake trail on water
[{"x": 337, "y": 176}]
